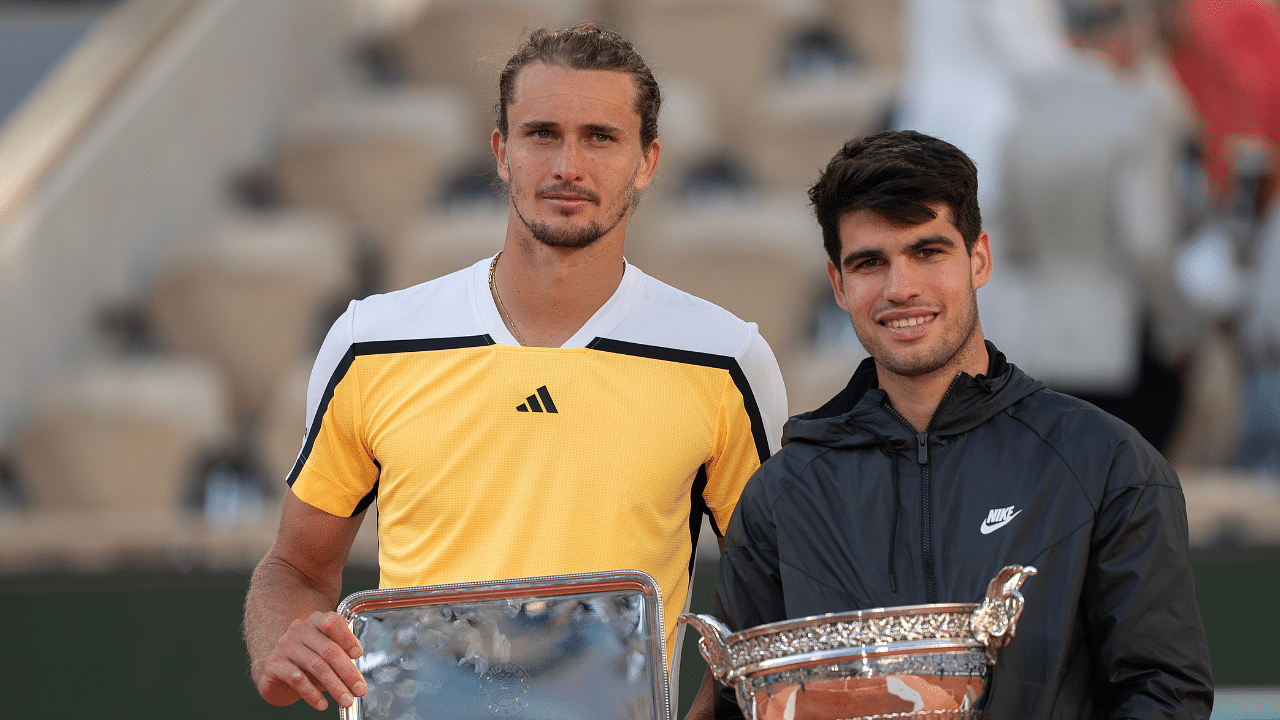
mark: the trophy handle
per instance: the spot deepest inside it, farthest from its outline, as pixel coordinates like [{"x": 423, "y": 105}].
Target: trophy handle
[
  {"x": 996, "y": 618},
  {"x": 711, "y": 644}
]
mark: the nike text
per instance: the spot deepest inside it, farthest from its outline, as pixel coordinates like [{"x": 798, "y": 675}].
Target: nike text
[{"x": 998, "y": 518}]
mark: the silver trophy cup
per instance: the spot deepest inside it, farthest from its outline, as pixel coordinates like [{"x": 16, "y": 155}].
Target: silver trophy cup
[{"x": 915, "y": 661}]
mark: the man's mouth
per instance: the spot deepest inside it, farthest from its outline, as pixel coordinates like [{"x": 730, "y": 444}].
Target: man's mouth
[
  {"x": 567, "y": 194},
  {"x": 910, "y": 322}
]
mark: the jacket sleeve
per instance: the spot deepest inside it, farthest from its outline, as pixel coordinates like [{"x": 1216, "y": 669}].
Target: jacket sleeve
[
  {"x": 749, "y": 592},
  {"x": 1152, "y": 658}
]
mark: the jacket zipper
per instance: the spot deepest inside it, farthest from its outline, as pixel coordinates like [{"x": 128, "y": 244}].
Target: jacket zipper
[
  {"x": 926, "y": 491},
  {"x": 926, "y": 515}
]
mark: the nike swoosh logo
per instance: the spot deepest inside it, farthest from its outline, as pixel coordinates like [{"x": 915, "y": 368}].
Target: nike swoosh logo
[{"x": 987, "y": 529}]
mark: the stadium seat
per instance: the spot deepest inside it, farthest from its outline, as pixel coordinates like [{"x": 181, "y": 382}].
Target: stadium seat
[
  {"x": 690, "y": 130},
  {"x": 875, "y": 26},
  {"x": 729, "y": 48},
  {"x": 253, "y": 298},
  {"x": 375, "y": 157},
  {"x": 123, "y": 435},
  {"x": 759, "y": 258},
  {"x": 463, "y": 44},
  {"x": 283, "y": 424},
  {"x": 798, "y": 124},
  {"x": 444, "y": 241}
]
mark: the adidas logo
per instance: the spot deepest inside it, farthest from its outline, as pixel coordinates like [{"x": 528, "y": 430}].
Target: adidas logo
[
  {"x": 998, "y": 518},
  {"x": 532, "y": 404}
]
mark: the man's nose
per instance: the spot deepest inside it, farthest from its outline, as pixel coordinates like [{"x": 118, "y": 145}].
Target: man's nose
[
  {"x": 568, "y": 165},
  {"x": 902, "y": 284}
]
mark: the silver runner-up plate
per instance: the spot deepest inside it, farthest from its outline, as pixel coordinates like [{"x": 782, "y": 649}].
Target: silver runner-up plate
[{"x": 589, "y": 646}]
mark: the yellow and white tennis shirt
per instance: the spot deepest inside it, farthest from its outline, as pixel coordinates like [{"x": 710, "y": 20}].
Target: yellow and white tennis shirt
[{"x": 489, "y": 460}]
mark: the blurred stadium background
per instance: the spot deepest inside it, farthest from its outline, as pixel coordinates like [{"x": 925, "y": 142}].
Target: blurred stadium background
[{"x": 191, "y": 190}]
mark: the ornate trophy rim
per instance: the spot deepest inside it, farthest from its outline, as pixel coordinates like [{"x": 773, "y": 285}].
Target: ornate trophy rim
[
  {"x": 841, "y": 637},
  {"x": 868, "y": 614},
  {"x": 935, "y": 639}
]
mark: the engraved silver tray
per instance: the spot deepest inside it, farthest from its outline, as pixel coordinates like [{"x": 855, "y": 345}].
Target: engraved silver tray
[
  {"x": 915, "y": 661},
  {"x": 559, "y": 647}
]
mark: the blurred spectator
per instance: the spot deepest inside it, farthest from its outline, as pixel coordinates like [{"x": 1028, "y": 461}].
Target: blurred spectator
[
  {"x": 966, "y": 63},
  {"x": 1091, "y": 221},
  {"x": 1227, "y": 55}
]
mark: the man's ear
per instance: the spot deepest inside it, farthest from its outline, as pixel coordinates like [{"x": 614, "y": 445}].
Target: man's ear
[
  {"x": 980, "y": 260},
  {"x": 837, "y": 283},
  {"x": 500, "y": 154},
  {"x": 648, "y": 165}
]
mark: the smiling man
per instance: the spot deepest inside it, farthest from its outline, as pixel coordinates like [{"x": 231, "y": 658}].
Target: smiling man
[
  {"x": 549, "y": 410},
  {"x": 941, "y": 462}
]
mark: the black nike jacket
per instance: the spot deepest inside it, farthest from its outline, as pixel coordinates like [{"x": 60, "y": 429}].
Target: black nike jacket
[{"x": 859, "y": 511}]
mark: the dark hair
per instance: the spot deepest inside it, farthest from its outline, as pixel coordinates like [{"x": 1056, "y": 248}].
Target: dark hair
[
  {"x": 585, "y": 47},
  {"x": 897, "y": 174}
]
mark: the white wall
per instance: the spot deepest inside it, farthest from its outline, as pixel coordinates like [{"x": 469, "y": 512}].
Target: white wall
[{"x": 152, "y": 172}]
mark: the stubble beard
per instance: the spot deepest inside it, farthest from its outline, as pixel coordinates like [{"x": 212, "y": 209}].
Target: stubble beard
[
  {"x": 573, "y": 238},
  {"x": 905, "y": 364}
]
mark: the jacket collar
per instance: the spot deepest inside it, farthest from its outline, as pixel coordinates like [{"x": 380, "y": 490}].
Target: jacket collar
[{"x": 860, "y": 413}]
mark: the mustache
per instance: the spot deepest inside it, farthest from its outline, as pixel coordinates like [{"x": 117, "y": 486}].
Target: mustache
[{"x": 567, "y": 189}]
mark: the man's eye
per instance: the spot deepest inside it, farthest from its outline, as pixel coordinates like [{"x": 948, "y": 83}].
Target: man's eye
[{"x": 601, "y": 137}]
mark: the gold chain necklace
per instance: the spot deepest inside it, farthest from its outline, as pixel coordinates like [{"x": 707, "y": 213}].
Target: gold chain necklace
[{"x": 502, "y": 309}]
